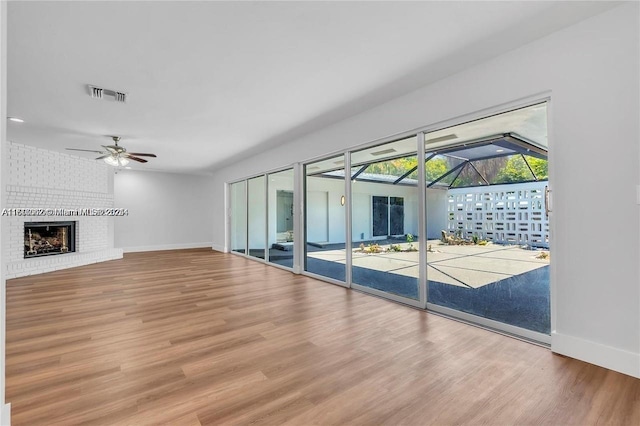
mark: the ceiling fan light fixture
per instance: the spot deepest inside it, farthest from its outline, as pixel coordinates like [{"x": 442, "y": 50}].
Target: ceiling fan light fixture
[{"x": 116, "y": 161}]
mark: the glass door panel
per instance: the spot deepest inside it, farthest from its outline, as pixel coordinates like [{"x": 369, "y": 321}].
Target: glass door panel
[
  {"x": 384, "y": 219},
  {"x": 257, "y": 213},
  {"x": 487, "y": 225},
  {"x": 281, "y": 242},
  {"x": 238, "y": 216},
  {"x": 324, "y": 219}
]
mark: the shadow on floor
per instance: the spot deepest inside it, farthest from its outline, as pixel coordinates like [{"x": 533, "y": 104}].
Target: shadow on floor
[{"x": 521, "y": 300}]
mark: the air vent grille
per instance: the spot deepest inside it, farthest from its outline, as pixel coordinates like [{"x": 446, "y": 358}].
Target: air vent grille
[
  {"x": 384, "y": 151},
  {"x": 442, "y": 138},
  {"x": 108, "y": 94},
  {"x": 96, "y": 92}
]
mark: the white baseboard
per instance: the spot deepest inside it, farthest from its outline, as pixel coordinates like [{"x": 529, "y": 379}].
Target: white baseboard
[
  {"x": 5, "y": 415},
  {"x": 219, "y": 248},
  {"x": 595, "y": 353},
  {"x": 167, "y": 247}
]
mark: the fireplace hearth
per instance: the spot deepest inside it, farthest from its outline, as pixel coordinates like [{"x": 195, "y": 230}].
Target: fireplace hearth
[{"x": 49, "y": 238}]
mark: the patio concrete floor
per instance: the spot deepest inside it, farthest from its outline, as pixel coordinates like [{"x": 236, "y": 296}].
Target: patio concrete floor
[{"x": 464, "y": 266}]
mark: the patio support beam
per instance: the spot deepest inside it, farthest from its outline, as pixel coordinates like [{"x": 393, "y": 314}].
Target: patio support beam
[
  {"x": 529, "y": 166},
  {"x": 459, "y": 166},
  {"x": 479, "y": 174},
  {"x": 359, "y": 172},
  {"x": 397, "y": 181}
]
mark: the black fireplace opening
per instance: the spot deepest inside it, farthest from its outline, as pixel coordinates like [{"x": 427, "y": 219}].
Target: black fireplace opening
[{"x": 49, "y": 238}]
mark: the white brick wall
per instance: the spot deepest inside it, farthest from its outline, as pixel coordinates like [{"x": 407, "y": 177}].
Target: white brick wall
[
  {"x": 39, "y": 178},
  {"x": 512, "y": 214}
]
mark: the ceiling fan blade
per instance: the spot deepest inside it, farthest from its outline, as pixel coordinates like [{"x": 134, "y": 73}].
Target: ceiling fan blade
[
  {"x": 140, "y": 154},
  {"x": 85, "y": 150},
  {"x": 103, "y": 157},
  {"x": 131, "y": 157},
  {"x": 109, "y": 148}
]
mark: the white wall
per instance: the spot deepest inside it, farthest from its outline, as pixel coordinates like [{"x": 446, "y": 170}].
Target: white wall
[
  {"x": 332, "y": 190},
  {"x": 5, "y": 409},
  {"x": 591, "y": 71},
  {"x": 166, "y": 210},
  {"x": 437, "y": 215}
]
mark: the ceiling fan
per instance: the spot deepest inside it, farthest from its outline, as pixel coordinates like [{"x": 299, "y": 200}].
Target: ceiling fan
[{"x": 116, "y": 155}]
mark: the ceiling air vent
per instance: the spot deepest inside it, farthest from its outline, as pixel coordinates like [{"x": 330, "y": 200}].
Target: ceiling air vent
[
  {"x": 442, "y": 138},
  {"x": 108, "y": 94},
  {"x": 384, "y": 151}
]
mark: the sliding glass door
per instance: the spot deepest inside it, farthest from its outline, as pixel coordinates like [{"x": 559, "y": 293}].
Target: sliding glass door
[
  {"x": 455, "y": 220},
  {"x": 257, "y": 221},
  {"x": 238, "y": 219},
  {"x": 487, "y": 224},
  {"x": 281, "y": 244},
  {"x": 384, "y": 219},
  {"x": 324, "y": 193}
]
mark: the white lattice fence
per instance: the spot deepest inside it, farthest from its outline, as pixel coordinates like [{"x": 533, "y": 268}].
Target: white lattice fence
[{"x": 510, "y": 214}]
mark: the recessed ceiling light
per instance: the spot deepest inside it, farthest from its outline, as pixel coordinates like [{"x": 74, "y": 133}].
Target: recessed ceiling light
[
  {"x": 128, "y": 168},
  {"x": 499, "y": 150},
  {"x": 16, "y": 119}
]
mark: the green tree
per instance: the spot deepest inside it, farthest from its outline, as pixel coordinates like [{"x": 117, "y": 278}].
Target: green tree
[
  {"x": 516, "y": 170},
  {"x": 435, "y": 168}
]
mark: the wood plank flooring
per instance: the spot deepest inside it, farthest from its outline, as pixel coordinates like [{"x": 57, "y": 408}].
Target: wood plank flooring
[{"x": 196, "y": 337}]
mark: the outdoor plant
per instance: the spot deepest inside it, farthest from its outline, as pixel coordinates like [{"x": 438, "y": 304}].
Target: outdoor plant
[
  {"x": 543, "y": 255},
  {"x": 410, "y": 240},
  {"x": 371, "y": 248},
  {"x": 457, "y": 240},
  {"x": 395, "y": 247}
]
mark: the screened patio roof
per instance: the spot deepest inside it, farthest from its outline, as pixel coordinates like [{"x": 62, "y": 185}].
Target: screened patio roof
[{"x": 500, "y": 159}]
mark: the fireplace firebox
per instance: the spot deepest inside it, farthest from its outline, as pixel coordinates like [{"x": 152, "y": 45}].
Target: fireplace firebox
[{"x": 49, "y": 238}]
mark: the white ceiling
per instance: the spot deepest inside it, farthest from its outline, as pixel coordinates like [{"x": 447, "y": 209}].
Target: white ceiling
[{"x": 210, "y": 82}]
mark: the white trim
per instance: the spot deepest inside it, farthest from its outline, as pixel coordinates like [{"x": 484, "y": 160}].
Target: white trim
[
  {"x": 219, "y": 248},
  {"x": 298, "y": 219},
  {"x": 348, "y": 217},
  {"x": 279, "y": 266},
  {"x": 268, "y": 172},
  {"x": 423, "y": 288},
  {"x": 325, "y": 279},
  {"x": 5, "y": 415},
  {"x": 615, "y": 359},
  {"x": 161, "y": 247},
  {"x": 551, "y": 164},
  {"x": 498, "y": 326},
  {"x": 227, "y": 217},
  {"x": 385, "y": 295}
]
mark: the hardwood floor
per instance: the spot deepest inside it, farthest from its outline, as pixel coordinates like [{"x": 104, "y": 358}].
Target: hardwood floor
[{"x": 195, "y": 337}]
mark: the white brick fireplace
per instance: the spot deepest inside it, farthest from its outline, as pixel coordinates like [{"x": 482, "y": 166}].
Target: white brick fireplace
[{"x": 42, "y": 179}]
